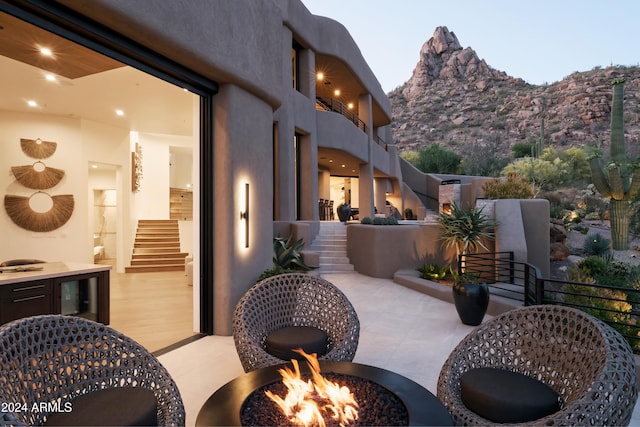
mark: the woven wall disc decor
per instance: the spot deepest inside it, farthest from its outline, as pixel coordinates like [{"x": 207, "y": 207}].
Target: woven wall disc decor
[
  {"x": 23, "y": 215},
  {"x": 37, "y": 176},
  {"x": 37, "y": 148}
]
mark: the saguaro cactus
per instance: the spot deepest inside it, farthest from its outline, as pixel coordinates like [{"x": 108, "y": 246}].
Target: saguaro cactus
[{"x": 616, "y": 181}]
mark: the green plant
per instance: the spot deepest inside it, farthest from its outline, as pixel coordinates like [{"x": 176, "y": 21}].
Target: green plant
[
  {"x": 378, "y": 220},
  {"x": 434, "y": 272},
  {"x": 521, "y": 149},
  {"x": 596, "y": 244},
  {"x": 512, "y": 186},
  {"x": 286, "y": 254},
  {"x": 434, "y": 158},
  {"x": 274, "y": 272},
  {"x": 408, "y": 213},
  {"x": 466, "y": 228},
  {"x": 366, "y": 220},
  {"x": 392, "y": 220},
  {"x": 616, "y": 181},
  {"x": 465, "y": 278}
]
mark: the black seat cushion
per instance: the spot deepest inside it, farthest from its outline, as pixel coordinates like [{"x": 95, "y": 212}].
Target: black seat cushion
[
  {"x": 507, "y": 397},
  {"x": 281, "y": 342},
  {"x": 121, "y": 406}
]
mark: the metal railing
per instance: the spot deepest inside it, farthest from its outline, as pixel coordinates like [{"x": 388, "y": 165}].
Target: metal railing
[
  {"x": 332, "y": 104},
  {"x": 618, "y": 306}
]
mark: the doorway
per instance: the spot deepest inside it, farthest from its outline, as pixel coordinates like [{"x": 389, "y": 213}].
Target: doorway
[{"x": 75, "y": 106}]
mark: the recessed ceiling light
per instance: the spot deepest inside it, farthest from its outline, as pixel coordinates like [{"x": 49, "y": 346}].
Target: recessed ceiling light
[
  {"x": 320, "y": 76},
  {"x": 46, "y": 51},
  {"x": 32, "y": 103},
  {"x": 344, "y": 166},
  {"x": 119, "y": 112},
  {"x": 94, "y": 166},
  {"x": 50, "y": 77},
  {"x": 337, "y": 92}
]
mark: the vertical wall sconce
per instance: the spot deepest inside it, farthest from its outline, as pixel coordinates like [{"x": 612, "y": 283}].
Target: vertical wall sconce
[{"x": 244, "y": 215}]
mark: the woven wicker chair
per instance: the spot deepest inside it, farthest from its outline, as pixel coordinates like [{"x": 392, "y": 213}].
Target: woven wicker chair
[
  {"x": 585, "y": 361},
  {"x": 54, "y": 358},
  {"x": 293, "y": 300}
]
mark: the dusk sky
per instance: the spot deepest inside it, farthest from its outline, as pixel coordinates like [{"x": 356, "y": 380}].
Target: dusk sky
[{"x": 540, "y": 42}]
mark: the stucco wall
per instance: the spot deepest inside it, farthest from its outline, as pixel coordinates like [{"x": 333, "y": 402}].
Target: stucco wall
[
  {"x": 226, "y": 41},
  {"x": 240, "y": 153},
  {"x": 381, "y": 250}
]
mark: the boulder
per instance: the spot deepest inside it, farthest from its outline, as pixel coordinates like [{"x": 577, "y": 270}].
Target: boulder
[
  {"x": 557, "y": 234},
  {"x": 559, "y": 251}
]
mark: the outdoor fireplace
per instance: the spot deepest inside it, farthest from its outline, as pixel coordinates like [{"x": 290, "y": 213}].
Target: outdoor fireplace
[{"x": 383, "y": 398}]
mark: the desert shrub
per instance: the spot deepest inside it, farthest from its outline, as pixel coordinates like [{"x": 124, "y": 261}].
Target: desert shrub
[
  {"x": 434, "y": 158},
  {"x": 593, "y": 266},
  {"x": 596, "y": 244},
  {"x": 521, "y": 149},
  {"x": 609, "y": 305},
  {"x": 379, "y": 221},
  {"x": 544, "y": 174},
  {"x": 556, "y": 211},
  {"x": 511, "y": 187},
  {"x": 476, "y": 162}
]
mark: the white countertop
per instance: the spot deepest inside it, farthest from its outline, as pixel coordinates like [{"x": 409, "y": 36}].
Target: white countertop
[{"x": 47, "y": 270}]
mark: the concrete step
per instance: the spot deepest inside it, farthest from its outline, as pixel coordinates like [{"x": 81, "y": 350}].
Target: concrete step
[
  {"x": 326, "y": 240},
  {"x": 332, "y": 252},
  {"x": 334, "y": 260},
  {"x": 331, "y": 247},
  {"x": 335, "y": 268}
]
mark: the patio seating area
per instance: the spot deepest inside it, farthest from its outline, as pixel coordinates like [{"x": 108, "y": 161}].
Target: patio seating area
[{"x": 401, "y": 330}]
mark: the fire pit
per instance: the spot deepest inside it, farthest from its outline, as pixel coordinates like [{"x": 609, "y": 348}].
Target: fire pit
[{"x": 389, "y": 398}]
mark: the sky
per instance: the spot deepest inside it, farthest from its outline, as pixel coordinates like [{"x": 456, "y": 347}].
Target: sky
[{"x": 540, "y": 41}]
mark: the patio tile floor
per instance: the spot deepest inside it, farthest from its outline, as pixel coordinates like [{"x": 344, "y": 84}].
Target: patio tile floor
[{"x": 401, "y": 330}]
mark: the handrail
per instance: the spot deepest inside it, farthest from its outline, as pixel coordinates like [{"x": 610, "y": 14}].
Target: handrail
[
  {"x": 332, "y": 104},
  {"x": 617, "y": 306}
]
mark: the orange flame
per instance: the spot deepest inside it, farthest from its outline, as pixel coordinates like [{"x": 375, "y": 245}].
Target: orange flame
[{"x": 307, "y": 402}]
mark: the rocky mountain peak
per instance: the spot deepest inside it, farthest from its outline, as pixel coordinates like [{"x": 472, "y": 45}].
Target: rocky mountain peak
[
  {"x": 454, "y": 98},
  {"x": 443, "y": 58}
]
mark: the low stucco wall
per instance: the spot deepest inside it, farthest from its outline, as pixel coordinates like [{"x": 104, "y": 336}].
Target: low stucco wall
[{"x": 381, "y": 250}]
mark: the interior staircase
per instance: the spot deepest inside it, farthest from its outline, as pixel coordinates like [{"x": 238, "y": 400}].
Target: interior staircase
[
  {"x": 157, "y": 247},
  {"x": 331, "y": 245}
]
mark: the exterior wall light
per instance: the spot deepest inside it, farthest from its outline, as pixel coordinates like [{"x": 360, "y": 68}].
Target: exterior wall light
[{"x": 244, "y": 215}]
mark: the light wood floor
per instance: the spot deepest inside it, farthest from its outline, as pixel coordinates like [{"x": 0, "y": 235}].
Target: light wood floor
[{"x": 155, "y": 309}]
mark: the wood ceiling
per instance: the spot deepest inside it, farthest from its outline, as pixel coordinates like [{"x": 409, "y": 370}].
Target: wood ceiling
[
  {"x": 22, "y": 41},
  {"x": 88, "y": 84}
]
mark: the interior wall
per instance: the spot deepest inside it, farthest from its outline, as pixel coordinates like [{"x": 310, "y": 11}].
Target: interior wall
[
  {"x": 80, "y": 142},
  {"x": 64, "y": 243}
]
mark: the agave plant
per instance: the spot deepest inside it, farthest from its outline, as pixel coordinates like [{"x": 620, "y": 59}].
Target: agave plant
[
  {"x": 286, "y": 254},
  {"x": 434, "y": 272},
  {"x": 466, "y": 229},
  {"x": 616, "y": 181}
]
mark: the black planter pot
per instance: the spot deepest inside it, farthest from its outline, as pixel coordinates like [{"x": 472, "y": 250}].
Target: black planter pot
[
  {"x": 344, "y": 211},
  {"x": 471, "y": 300}
]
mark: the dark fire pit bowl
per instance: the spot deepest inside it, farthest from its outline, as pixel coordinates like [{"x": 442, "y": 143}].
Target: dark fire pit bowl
[{"x": 224, "y": 407}]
